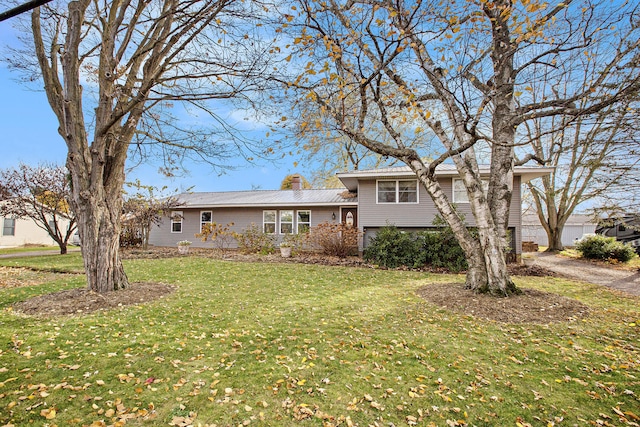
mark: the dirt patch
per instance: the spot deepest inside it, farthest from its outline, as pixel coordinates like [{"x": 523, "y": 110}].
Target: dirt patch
[
  {"x": 82, "y": 300},
  {"x": 532, "y": 306}
]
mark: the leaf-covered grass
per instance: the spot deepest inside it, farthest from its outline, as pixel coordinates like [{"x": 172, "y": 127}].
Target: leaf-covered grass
[{"x": 286, "y": 344}]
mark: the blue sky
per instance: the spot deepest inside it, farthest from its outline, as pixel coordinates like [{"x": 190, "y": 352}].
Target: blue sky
[{"x": 29, "y": 135}]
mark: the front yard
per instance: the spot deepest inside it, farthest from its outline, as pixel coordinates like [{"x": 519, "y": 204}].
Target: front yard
[{"x": 289, "y": 344}]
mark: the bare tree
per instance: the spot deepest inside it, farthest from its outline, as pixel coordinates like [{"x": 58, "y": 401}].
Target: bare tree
[
  {"x": 461, "y": 73},
  {"x": 117, "y": 74},
  {"x": 41, "y": 194},
  {"x": 596, "y": 159},
  {"x": 146, "y": 207}
]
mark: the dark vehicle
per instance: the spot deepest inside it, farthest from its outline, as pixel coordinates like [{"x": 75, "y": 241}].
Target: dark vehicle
[{"x": 625, "y": 229}]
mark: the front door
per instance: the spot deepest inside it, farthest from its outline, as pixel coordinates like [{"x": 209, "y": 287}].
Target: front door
[{"x": 350, "y": 217}]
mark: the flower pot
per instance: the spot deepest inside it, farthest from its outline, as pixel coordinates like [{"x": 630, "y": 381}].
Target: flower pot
[
  {"x": 285, "y": 251},
  {"x": 183, "y": 249}
]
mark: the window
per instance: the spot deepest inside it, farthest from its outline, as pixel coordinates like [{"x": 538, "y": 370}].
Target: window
[
  {"x": 286, "y": 222},
  {"x": 407, "y": 191},
  {"x": 206, "y": 217},
  {"x": 304, "y": 221},
  {"x": 460, "y": 191},
  {"x": 9, "y": 227},
  {"x": 176, "y": 222},
  {"x": 400, "y": 191},
  {"x": 269, "y": 222}
]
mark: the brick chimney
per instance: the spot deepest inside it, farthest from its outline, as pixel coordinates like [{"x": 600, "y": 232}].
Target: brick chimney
[{"x": 296, "y": 183}]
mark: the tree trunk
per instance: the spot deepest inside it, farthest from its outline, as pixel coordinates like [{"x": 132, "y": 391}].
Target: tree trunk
[
  {"x": 485, "y": 254},
  {"x": 99, "y": 228},
  {"x": 63, "y": 248},
  {"x": 146, "y": 231},
  {"x": 554, "y": 237}
]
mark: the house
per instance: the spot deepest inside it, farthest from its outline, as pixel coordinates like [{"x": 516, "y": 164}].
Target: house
[
  {"x": 373, "y": 199},
  {"x": 20, "y": 232},
  {"x": 577, "y": 225}
]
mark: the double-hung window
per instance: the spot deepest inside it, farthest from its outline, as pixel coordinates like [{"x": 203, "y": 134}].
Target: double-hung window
[
  {"x": 176, "y": 221},
  {"x": 398, "y": 191},
  {"x": 460, "y": 191},
  {"x": 303, "y": 221},
  {"x": 206, "y": 217},
  {"x": 269, "y": 222},
  {"x": 286, "y": 222},
  {"x": 9, "y": 227}
]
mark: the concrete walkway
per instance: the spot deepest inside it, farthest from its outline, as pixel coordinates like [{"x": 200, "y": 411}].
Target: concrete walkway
[{"x": 623, "y": 280}]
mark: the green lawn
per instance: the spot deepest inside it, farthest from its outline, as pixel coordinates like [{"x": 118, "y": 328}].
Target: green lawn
[
  {"x": 300, "y": 345},
  {"x": 21, "y": 249}
]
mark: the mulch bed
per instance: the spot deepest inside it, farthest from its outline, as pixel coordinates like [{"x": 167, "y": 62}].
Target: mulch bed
[
  {"x": 82, "y": 301},
  {"x": 532, "y": 306}
]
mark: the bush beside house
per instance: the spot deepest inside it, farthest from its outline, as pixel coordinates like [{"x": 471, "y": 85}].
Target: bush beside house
[{"x": 392, "y": 248}]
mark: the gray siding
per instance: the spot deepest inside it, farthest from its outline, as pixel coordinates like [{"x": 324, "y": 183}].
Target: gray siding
[
  {"x": 373, "y": 215},
  {"x": 161, "y": 235}
]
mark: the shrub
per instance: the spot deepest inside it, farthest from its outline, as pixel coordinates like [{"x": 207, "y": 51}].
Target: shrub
[
  {"x": 334, "y": 239},
  {"x": 393, "y": 248},
  {"x": 295, "y": 241},
  {"x": 604, "y": 248},
  {"x": 441, "y": 249},
  {"x": 253, "y": 240},
  {"x": 130, "y": 237},
  {"x": 221, "y": 235}
]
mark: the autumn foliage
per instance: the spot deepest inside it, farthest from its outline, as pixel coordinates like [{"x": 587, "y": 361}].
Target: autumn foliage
[{"x": 335, "y": 239}]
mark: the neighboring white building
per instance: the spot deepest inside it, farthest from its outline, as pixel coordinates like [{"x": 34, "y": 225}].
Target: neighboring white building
[
  {"x": 577, "y": 225},
  {"x": 20, "y": 232}
]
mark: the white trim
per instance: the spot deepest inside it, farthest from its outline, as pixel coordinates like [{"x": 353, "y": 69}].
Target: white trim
[
  {"x": 280, "y": 221},
  {"x": 275, "y": 220},
  {"x": 172, "y": 221},
  {"x": 205, "y": 222},
  {"x": 397, "y": 192},
  {"x": 485, "y": 187},
  {"x": 297, "y": 225}
]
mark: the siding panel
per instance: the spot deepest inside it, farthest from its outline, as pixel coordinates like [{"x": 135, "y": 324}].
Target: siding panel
[{"x": 241, "y": 217}]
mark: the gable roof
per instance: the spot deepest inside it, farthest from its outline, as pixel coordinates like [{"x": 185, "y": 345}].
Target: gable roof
[
  {"x": 350, "y": 179},
  {"x": 266, "y": 198}
]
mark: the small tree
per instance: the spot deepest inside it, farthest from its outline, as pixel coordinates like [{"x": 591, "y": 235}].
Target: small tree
[
  {"x": 41, "y": 194},
  {"x": 221, "y": 235},
  {"x": 147, "y": 206}
]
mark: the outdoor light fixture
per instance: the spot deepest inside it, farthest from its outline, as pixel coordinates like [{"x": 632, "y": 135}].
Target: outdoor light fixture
[{"x": 333, "y": 216}]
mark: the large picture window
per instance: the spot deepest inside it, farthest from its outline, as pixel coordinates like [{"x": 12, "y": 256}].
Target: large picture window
[
  {"x": 286, "y": 222},
  {"x": 398, "y": 191},
  {"x": 269, "y": 222},
  {"x": 176, "y": 221},
  {"x": 460, "y": 191},
  {"x": 206, "y": 217},
  {"x": 304, "y": 221}
]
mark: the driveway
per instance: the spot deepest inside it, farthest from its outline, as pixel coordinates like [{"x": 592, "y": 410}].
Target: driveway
[
  {"x": 37, "y": 253},
  {"x": 623, "y": 280}
]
